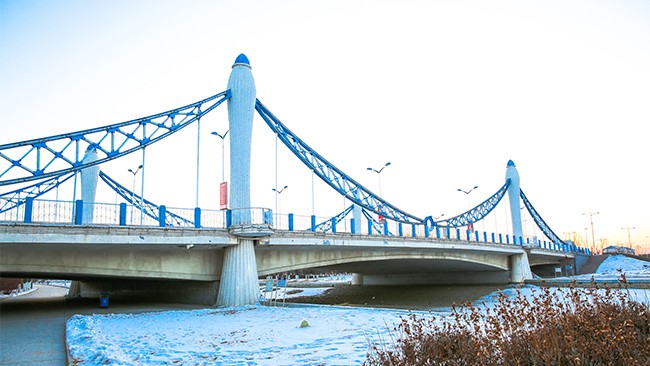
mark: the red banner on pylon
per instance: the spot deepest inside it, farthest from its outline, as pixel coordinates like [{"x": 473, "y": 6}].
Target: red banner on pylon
[{"x": 223, "y": 195}]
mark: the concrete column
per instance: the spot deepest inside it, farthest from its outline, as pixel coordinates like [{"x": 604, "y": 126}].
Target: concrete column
[
  {"x": 357, "y": 279},
  {"x": 239, "y": 282},
  {"x": 89, "y": 177},
  {"x": 520, "y": 268},
  {"x": 514, "y": 198},
  {"x": 356, "y": 214}
]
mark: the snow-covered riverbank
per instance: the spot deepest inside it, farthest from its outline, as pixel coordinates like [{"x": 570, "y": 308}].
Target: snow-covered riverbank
[{"x": 257, "y": 335}]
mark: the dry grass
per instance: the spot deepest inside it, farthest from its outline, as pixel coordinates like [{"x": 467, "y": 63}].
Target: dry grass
[{"x": 580, "y": 326}]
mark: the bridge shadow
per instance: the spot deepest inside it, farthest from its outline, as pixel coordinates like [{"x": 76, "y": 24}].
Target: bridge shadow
[
  {"x": 420, "y": 297},
  {"x": 33, "y": 328}
]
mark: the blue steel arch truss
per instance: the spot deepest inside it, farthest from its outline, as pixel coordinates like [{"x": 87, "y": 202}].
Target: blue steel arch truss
[
  {"x": 148, "y": 208},
  {"x": 539, "y": 221},
  {"x": 331, "y": 175},
  {"x": 376, "y": 225},
  {"x": 50, "y": 156},
  {"x": 326, "y": 225},
  {"x": 473, "y": 215},
  {"x": 15, "y": 198}
]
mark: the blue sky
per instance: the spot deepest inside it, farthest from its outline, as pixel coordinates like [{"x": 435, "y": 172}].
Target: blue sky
[{"x": 447, "y": 92}]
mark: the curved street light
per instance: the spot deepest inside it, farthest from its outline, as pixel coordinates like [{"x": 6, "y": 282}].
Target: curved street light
[
  {"x": 379, "y": 174},
  {"x": 279, "y": 191},
  {"x": 629, "y": 240},
  {"x": 467, "y": 194},
  {"x": 470, "y": 226},
  {"x": 222, "y": 137},
  {"x": 134, "y": 172},
  {"x": 277, "y": 198},
  {"x": 591, "y": 221}
]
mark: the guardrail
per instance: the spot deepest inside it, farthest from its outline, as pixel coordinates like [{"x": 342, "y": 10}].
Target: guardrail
[{"x": 66, "y": 212}]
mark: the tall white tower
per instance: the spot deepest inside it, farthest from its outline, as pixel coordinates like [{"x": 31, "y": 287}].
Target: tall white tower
[
  {"x": 239, "y": 282},
  {"x": 89, "y": 178},
  {"x": 514, "y": 193}
]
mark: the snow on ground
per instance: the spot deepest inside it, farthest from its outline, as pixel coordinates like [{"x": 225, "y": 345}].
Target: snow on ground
[
  {"x": 253, "y": 335},
  {"x": 610, "y": 270},
  {"x": 262, "y": 335},
  {"x": 616, "y": 264}
]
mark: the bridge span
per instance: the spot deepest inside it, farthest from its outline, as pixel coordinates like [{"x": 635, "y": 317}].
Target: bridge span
[
  {"x": 217, "y": 256},
  {"x": 185, "y": 264}
]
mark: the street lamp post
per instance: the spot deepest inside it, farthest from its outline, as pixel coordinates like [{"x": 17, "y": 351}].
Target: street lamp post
[
  {"x": 134, "y": 172},
  {"x": 629, "y": 240},
  {"x": 379, "y": 174},
  {"x": 467, "y": 194},
  {"x": 591, "y": 221},
  {"x": 277, "y": 199},
  {"x": 222, "y": 137},
  {"x": 470, "y": 226}
]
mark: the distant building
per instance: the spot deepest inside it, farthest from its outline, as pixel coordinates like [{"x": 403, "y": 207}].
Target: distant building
[
  {"x": 8, "y": 285},
  {"x": 613, "y": 249}
]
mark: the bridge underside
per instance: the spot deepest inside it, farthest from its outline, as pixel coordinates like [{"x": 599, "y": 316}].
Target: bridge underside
[
  {"x": 100, "y": 262},
  {"x": 390, "y": 266},
  {"x": 186, "y": 265}
]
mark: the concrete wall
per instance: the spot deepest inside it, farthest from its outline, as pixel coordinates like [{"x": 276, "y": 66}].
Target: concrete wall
[{"x": 114, "y": 261}]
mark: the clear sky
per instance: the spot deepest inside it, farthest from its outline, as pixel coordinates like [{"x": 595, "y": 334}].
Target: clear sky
[{"x": 447, "y": 91}]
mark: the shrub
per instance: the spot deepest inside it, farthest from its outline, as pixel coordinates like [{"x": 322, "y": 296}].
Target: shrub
[{"x": 570, "y": 326}]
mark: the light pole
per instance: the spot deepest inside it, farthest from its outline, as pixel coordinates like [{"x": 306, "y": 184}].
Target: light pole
[
  {"x": 277, "y": 199},
  {"x": 379, "y": 174},
  {"x": 591, "y": 221},
  {"x": 467, "y": 194},
  {"x": 133, "y": 188},
  {"x": 470, "y": 226},
  {"x": 629, "y": 240},
  {"x": 222, "y": 137}
]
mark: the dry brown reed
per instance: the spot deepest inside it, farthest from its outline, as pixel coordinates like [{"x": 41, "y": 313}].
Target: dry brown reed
[{"x": 570, "y": 326}]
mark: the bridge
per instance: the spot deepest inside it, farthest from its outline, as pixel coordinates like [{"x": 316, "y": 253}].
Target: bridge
[{"x": 217, "y": 255}]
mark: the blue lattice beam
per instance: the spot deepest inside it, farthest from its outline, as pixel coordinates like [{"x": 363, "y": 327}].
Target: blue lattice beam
[
  {"x": 331, "y": 175},
  {"x": 326, "y": 225},
  {"x": 55, "y": 155},
  {"x": 148, "y": 208},
  {"x": 376, "y": 225},
  {"x": 539, "y": 221},
  {"x": 473, "y": 215},
  {"x": 15, "y": 198}
]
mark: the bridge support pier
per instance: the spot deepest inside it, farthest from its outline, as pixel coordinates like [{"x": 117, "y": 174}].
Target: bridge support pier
[
  {"x": 520, "y": 268},
  {"x": 239, "y": 282}
]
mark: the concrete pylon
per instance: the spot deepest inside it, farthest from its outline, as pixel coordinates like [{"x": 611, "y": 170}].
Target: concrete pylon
[
  {"x": 514, "y": 193},
  {"x": 89, "y": 177},
  {"x": 356, "y": 214},
  {"x": 239, "y": 283}
]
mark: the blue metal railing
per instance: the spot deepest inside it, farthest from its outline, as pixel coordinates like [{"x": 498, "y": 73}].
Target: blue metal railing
[{"x": 66, "y": 212}]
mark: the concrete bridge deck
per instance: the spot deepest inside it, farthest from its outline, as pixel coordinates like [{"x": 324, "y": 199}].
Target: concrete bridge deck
[{"x": 112, "y": 254}]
